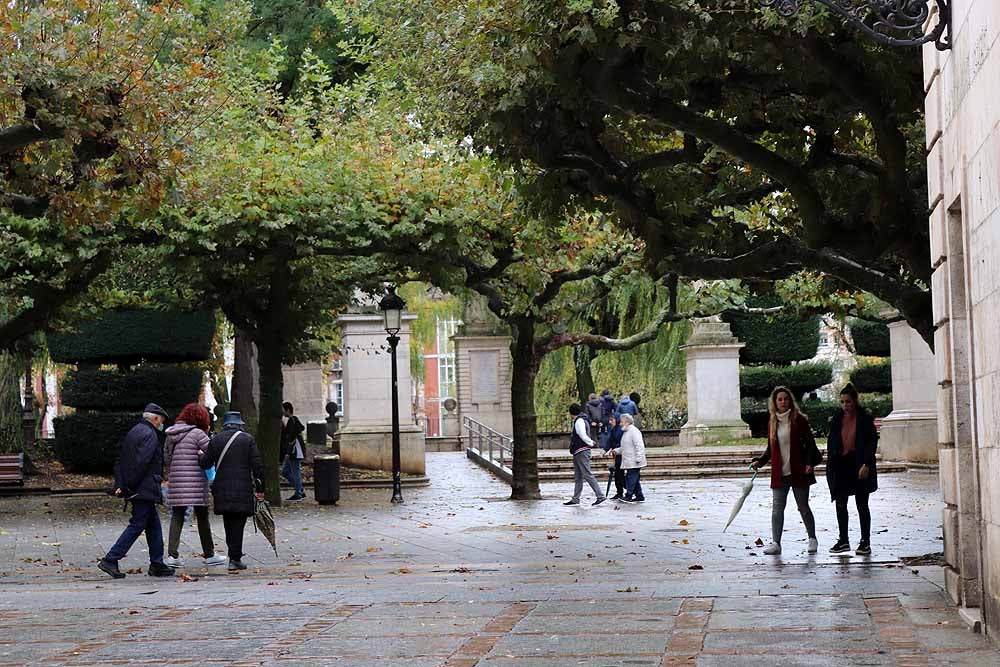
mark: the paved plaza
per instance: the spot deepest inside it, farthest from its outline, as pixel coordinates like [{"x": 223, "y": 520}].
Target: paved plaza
[{"x": 461, "y": 577}]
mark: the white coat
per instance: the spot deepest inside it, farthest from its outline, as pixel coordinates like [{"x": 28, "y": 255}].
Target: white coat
[{"x": 632, "y": 449}]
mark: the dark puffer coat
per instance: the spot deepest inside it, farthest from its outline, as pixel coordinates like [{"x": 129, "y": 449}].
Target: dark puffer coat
[
  {"x": 842, "y": 471},
  {"x": 188, "y": 484},
  {"x": 240, "y": 474},
  {"x": 139, "y": 471}
]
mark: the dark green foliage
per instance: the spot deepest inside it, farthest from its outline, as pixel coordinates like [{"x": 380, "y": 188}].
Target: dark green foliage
[
  {"x": 759, "y": 381},
  {"x": 133, "y": 336},
  {"x": 778, "y": 339},
  {"x": 88, "y": 441},
  {"x": 873, "y": 378},
  {"x": 871, "y": 339},
  {"x": 754, "y": 413},
  {"x": 101, "y": 390}
]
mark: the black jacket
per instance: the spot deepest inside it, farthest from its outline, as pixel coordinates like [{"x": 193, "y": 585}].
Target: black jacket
[
  {"x": 842, "y": 471},
  {"x": 139, "y": 471},
  {"x": 290, "y": 431},
  {"x": 240, "y": 474},
  {"x": 594, "y": 411}
]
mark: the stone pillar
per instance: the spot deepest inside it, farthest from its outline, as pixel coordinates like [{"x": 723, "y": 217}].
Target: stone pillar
[
  {"x": 909, "y": 432},
  {"x": 365, "y": 438},
  {"x": 482, "y": 378},
  {"x": 713, "y": 385},
  {"x": 451, "y": 426}
]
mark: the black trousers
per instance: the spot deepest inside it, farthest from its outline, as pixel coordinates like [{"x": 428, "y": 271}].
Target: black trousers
[
  {"x": 619, "y": 477},
  {"x": 234, "y": 525},
  {"x": 864, "y": 515}
]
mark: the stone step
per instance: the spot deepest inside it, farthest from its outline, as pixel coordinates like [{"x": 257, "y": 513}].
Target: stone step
[{"x": 652, "y": 472}]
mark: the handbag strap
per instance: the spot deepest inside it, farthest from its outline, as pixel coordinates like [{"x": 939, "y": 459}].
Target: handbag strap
[{"x": 224, "y": 450}]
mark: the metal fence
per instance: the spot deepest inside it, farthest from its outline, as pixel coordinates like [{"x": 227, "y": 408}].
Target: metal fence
[
  {"x": 660, "y": 420},
  {"x": 490, "y": 444}
]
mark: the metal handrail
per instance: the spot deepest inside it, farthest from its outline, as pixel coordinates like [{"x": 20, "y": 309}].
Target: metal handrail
[{"x": 487, "y": 442}]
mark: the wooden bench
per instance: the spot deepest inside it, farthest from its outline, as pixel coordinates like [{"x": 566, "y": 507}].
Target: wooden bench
[{"x": 12, "y": 469}]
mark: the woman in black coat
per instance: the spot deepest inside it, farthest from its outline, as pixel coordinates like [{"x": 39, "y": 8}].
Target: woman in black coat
[
  {"x": 239, "y": 475},
  {"x": 850, "y": 469}
]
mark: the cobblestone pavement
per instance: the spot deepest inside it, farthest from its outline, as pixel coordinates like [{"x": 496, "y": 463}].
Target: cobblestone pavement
[{"x": 461, "y": 577}]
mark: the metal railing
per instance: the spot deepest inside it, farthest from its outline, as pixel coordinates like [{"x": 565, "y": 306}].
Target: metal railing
[{"x": 495, "y": 447}]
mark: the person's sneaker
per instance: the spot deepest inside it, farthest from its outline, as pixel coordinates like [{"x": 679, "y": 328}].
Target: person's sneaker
[
  {"x": 215, "y": 559},
  {"x": 598, "y": 501},
  {"x": 170, "y": 561},
  {"x": 773, "y": 549},
  {"x": 639, "y": 500},
  {"x": 864, "y": 549},
  {"x": 626, "y": 499},
  {"x": 617, "y": 496},
  {"x": 236, "y": 565},
  {"x": 295, "y": 498},
  {"x": 111, "y": 568},
  {"x": 813, "y": 545},
  {"x": 160, "y": 570},
  {"x": 840, "y": 547},
  {"x": 572, "y": 502}
]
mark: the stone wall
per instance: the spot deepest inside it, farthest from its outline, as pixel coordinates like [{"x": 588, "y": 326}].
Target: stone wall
[{"x": 963, "y": 143}]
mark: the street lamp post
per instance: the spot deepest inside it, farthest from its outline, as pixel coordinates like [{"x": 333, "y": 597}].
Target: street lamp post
[{"x": 392, "y": 307}]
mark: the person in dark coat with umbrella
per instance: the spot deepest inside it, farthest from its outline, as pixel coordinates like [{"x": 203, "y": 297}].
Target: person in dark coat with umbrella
[
  {"x": 239, "y": 481},
  {"x": 850, "y": 470},
  {"x": 138, "y": 475}
]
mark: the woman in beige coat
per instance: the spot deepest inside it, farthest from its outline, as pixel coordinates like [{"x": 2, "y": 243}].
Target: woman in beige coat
[{"x": 633, "y": 452}]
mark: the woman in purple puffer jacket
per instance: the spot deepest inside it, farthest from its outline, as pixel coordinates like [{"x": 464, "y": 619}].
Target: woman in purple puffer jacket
[{"x": 188, "y": 487}]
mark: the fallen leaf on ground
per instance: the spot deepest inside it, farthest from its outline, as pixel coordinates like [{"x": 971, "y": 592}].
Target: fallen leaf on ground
[
  {"x": 403, "y": 570},
  {"x": 683, "y": 522},
  {"x": 695, "y": 567},
  {"x": 630, "y": 589},
  {"x": 759, "y": 542},
  {"x": 372, "y": 550}
]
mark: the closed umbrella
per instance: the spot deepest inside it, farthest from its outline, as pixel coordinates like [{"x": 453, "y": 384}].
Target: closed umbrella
[
  {"x": 747, "y": 488},
  {"x": 263, "y": 521}
]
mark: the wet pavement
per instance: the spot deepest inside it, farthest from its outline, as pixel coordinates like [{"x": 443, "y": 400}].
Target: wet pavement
[{"x": 461, "y": 577}]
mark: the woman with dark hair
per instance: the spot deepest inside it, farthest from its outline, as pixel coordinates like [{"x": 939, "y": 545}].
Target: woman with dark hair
[
  {"x": 186, "y": 439},
  {"x": 792, "y": 452},
  {"x": 850, "y": 469}
]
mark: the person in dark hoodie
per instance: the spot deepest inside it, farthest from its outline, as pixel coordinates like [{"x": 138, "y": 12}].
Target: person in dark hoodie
[
  {"x": 626, "y": 406},
  {"x": 138, "y": 475},
  {"x": 594, "y": 413},
  {"x": 613, "y": 441}
]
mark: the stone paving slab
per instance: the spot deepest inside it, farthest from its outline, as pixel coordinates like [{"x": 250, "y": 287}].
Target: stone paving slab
[{"x": 460, "y": 577}]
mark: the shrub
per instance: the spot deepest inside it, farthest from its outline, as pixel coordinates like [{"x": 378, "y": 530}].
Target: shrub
[
  {"x": 871, "y": 339},
  {"x": 88, "y": 441},
  {"x": 873, "y": 378},
  {"x": 779, "y": 339},
  {"x": 133, "y": 336},
  {"x": 102, "y": 390},
  {"x": 759, "y": 381}
]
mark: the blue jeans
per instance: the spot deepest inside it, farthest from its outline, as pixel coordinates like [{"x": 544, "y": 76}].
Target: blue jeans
[
  {"x": 633, "y": 489},
  {"x": 145, "y": 518},
  {"x": 292, "y": 471}
]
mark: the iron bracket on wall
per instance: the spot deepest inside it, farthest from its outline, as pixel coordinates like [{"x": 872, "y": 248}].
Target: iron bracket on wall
[{"x": 889, "y": 22}]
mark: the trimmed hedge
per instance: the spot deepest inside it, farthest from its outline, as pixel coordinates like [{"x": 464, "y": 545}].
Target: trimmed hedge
[
  {"x": 759, "y": 381},
  {"x": 133, "y": 336},
  {"x": 754, "y": 413},
  {"x": 88, "y": 441},
  {"x": 102, "y": 390},
  {"x": 871, "y": 339},
  {"x": 777, "y": 340},
  {"x": 873, "y": 378}
]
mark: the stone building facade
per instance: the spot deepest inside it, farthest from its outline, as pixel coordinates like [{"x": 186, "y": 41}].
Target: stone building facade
[{"x": 963, "y": 143}]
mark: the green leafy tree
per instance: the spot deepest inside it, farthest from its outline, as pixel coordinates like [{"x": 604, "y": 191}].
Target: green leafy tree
[
  {"x": 734, "y": 142},
  {"x": 97, "y": 102}
]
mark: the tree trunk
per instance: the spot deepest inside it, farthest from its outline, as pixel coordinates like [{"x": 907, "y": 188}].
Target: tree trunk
[
  {"x": 525, "y": 421},
  {"x": 245, "y": 396},
  {"x": 582, "y": 356},
  {"x": 272, "y": 382},
  {"x": 11, "y": 433}
]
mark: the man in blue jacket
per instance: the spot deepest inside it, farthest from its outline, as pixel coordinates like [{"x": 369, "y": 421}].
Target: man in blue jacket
[{"x": 138, "y": 476}]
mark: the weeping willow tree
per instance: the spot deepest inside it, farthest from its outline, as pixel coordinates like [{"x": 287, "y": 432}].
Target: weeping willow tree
[
  {"x": 11, "y": 437},
  {"x": 655, "y": 370}
]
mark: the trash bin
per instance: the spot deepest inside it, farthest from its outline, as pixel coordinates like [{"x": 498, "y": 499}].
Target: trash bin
[{"x": 326, "y": 479}]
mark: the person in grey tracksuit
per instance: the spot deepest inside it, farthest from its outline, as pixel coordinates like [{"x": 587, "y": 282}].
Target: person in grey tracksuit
[{"x": 580, "y": 444}]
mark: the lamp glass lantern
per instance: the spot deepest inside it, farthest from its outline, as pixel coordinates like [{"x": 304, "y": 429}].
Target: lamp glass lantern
[{"x": 392, "y": 306}]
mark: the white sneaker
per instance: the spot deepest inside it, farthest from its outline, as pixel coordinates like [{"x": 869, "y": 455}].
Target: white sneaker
[
  {"x": 170, "y": 561},
  {"x": 215, "y": 559},
  {"x": 813, "y": 545},
  {"x": 773, "y": 550}
]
